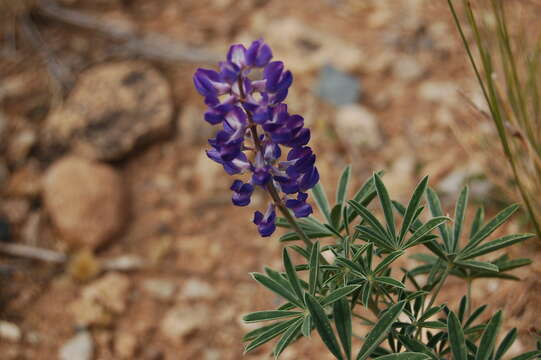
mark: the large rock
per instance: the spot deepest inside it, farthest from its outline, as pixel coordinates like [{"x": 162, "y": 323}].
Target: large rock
[
  {"x": 112, "y": 109},
  {"x": 85, "y": 200}
]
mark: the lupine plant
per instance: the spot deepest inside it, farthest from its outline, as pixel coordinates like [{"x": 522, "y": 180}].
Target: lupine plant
[{"x": 347, "y": 273}]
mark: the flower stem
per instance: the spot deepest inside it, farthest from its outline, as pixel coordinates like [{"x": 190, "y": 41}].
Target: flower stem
[{"x": 270, "y": 186}]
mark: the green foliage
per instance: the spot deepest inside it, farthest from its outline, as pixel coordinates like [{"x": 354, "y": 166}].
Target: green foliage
[{"x": 405, "y": 322}]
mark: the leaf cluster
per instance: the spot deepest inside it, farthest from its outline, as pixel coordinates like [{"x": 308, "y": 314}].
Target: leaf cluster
[{"x": 328, "y": 296}]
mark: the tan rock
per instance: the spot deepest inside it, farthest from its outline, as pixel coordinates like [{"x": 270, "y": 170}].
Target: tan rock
[
  {"x": 112, "y": 109},
  {"x": 182, "y": 320},
  {"x": 111, "y": 291},
  {"x": 357, "y": 126},
  {"x": 85, "y": 200},
  {"x": 125, "y": 345},
  {"x": 87, "y": 312}
]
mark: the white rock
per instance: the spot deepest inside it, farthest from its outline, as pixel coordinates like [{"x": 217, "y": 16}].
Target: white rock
[
  {"x": 182, "y": 320},
  {"x": 197, "y": 289},
  {"x": 159, "y": 288},
  {"x": 9, "y": 331},
  {"x": 124, "y": 263},
  {"x": 357, "y": 126},
  {"x": 443, "y": 92},
  {"x": 408, "y": 68},
  {"x": 80, "y": 347}
]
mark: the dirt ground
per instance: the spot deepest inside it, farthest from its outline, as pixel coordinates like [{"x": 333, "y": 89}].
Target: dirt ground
[{"x": 164, "y": 274}]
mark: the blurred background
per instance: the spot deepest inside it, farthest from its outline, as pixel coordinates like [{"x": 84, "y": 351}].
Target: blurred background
[{"x": 118, "y": 239}]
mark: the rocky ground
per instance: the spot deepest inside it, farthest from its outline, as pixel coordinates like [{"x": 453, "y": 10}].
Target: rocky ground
[{"x": 102, "y": 162}]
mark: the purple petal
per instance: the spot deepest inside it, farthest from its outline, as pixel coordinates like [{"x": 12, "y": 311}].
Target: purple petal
[
  {"x": 258, "y": 54},
  {"x": 237, "y": 55}
]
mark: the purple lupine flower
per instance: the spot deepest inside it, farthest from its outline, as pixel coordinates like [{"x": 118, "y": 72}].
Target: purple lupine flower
[
  {"x": 255, "y": 121},
  {"x": 299, "y": 206},
  {"x": 266, "y": 223},
  {"x": 241, "y": 193}
]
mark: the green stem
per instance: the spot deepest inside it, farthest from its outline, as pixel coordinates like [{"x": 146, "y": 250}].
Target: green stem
[{"x": 469, "y": 302}]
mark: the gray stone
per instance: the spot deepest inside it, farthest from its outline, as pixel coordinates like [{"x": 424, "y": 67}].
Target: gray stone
[
  {"x": 337, "y": 87},
  {"x": 80, "y": 347}
]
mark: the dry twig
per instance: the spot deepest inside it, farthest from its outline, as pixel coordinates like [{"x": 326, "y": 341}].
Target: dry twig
[{"x": 146, "y": 44}]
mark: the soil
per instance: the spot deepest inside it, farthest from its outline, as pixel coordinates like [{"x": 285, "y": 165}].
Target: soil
[{"x": 182, "y": 230}]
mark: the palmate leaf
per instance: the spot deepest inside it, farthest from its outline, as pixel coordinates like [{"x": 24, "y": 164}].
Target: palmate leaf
[
  {"x": 368, "y": 234},
  {"x": 424, "y": 230},
  {"x": 269, "y": 315},
  {"x": 338, "y": 294},
  {"x": 435, "y": 209},
  {"x": 293, "y": 236},
  {"x": 322, "y": 202},
  {"x": 488, "y": 339},
  {"x": 386, "y": 280},
  {"x": 363, "y": 196},
  {"x": 491, "y": 226},
  {"x": 477, "y": 265},
  {"x": 336, "y": 217},
  {"x": 292, "y": 274},
  {"x": 460, "y": 211},
  {"x": 457, "y": 341},
  {"x": 365, "y": 294},
  {"x": 277, "y": 288},
  {"x": 370, "y": 219},
  {"x": 268, "y": 334},
  {"x": 387, "y": 206},
  {"x": 412, "y": 344},
  {"x": 287, "y": 338},
  {"x": 342, "y": 321},
  {"x": 343, "y": 183},
  {"x": 411, "y": 213},
  {"x": 494, "y": 245},
  {"x": 314, "y": 268},
  {"x": 307, "y": 326},
  {"x": 323, "y": 325},
  {"x": 389, "y": 259},
  {"x": 477, "y": 221},
  {"x": 380, "y": 330},
  {"x": 405, "y": 356},
  {"x": 506, "y": 343},
  {"x": 474, "y": 316}
]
